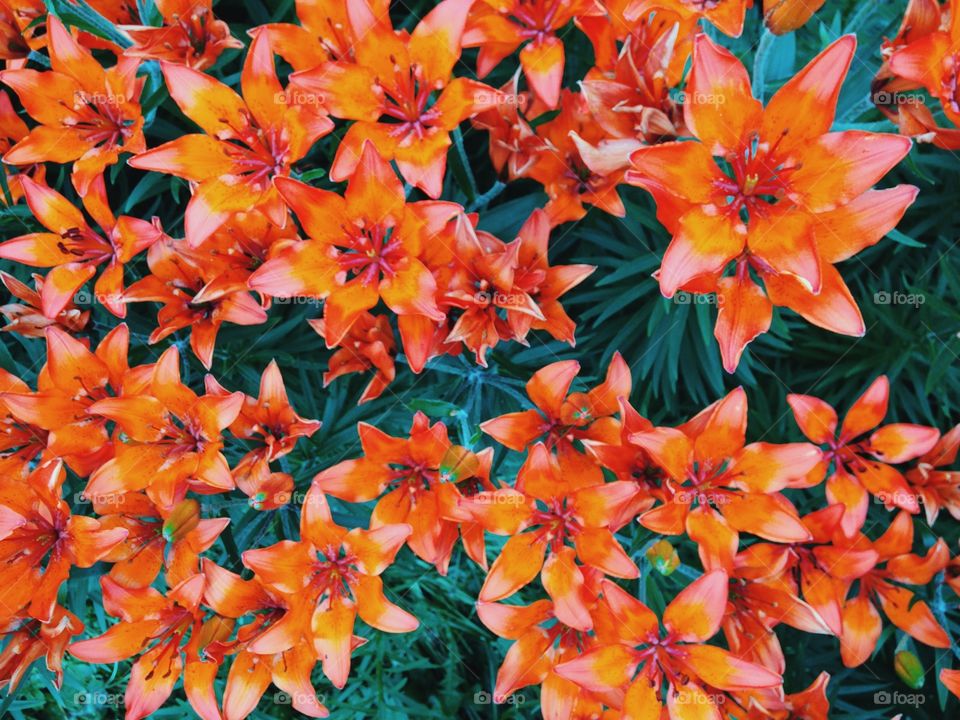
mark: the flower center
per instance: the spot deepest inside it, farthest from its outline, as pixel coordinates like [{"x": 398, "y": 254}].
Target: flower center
[
  {"x": 369, "y": 251},
  {"x": 758, "y": 179}
]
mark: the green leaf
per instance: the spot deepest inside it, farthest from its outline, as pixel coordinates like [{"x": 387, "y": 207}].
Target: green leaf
[
  {"x": 77, "y": 13},
  {"x": 904, "y": 239}
]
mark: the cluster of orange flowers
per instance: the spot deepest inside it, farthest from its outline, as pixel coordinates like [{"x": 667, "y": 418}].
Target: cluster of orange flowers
[
  {"x": 589, "y": 644},
  {"x": 761, "y": 201}
]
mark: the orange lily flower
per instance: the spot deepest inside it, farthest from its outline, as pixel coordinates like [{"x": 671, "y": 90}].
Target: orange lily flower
[
  {"x": 333, "y": 575},
  {"x": 426, "y": 476},
  {"x": 927, "y": 28},
  {"x": 73, "y": 379},
  {"x": 562, "y": 167},
  {"x": 12, "y": 131},
  {"x": 606, "y": 25},
  {"x": 863, "y": 466},
  {"x": 514, "y": 145},
  {"x": 190, "y": 35},
  {"x": 632, "y": 98},
  {"x": 87, "y": 115},
  {"x": 230, "y": 255},
  {"x": 268, "y": 420},
  {"x": 937, "y": 488},
  {"x": 197, "y": 292},
  {"x": 255, "y": 664},
  {"x": 28, "y": 319},
  {"x": 248, "y": 141},
  {"x": 951, "y": 680},
  {"x": 29, "y": 640},
  {"x": 543, "y": 283},
  {"x": 505, "y": 289},
  {"x": 798, "y": 199},
  {"x": 541, "y": 642},
  {"x": 20, "y": 443},
  {"x": 542, "y": 514},
  {"x": 368, "y": 345},
  {"x": 21, "y": 30},
  {"x": 73, "y": 250},
  {"x": 629, "y": 462},
  {"x": 823, "y": 567},
  {"x": 169, "y": 440},
  {"x": 927, "y": 58},
  {"x": 757, "y": 606},
  {"x": 676, "y": 656},
  {"x": 480, "y": 274},
  {"x": 725, "y": 15},
  {"x": 394, "y": 76},
  {"x": 38, "y": 527},
  {"x": 157, "y": 626},
  {"x": 783, "y": 16},
  {"x": 884, "y": 587},
  {"x": 771, "y": 704},
  {"x": 266, "y": 489},
  {"x": 168, "y": 539},
  {"x": 560, "y": 417},
  {"x": 328, "y": 30},
  {"x": 736, "y": 487},
  {"x": 271, "y": 423},
  {"x": 499, "y": 28},
  {"x": 363, "y": 247},
  {"x": 764, "y": 587}
]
